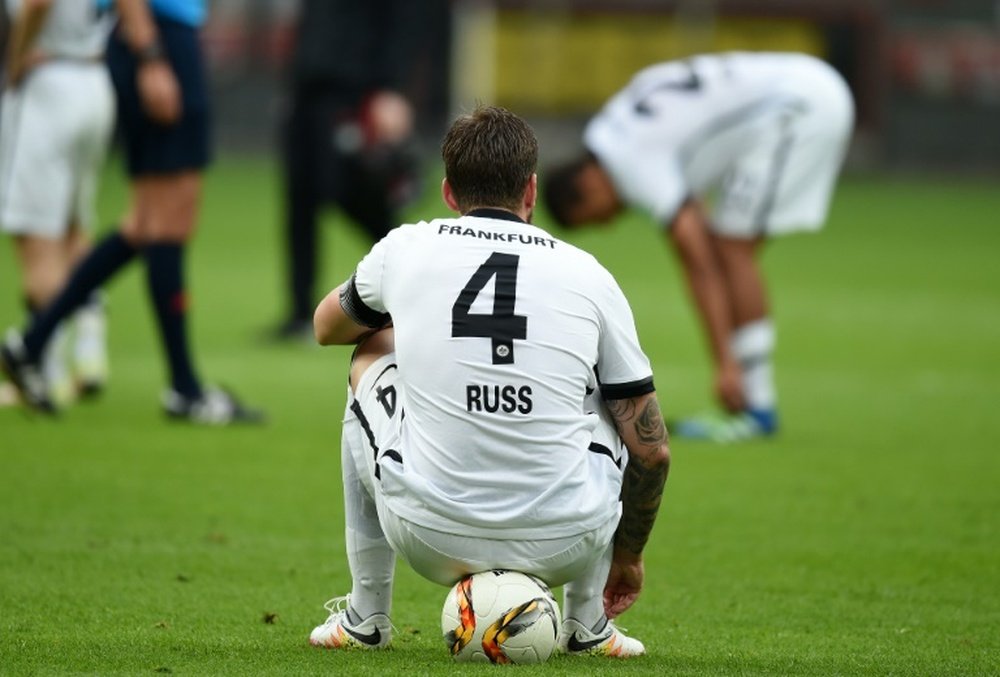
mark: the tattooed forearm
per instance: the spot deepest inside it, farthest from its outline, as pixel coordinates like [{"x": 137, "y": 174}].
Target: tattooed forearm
[
  {"x": 641, "y": 427},
  {"x": 621, "y": 410},
  {"x": 649, "y": 427},
  {"x": 642, "y": 490}
]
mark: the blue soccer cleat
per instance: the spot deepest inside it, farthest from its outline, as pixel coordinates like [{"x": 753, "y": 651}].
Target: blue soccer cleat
[{"x": 727, "y": 428}]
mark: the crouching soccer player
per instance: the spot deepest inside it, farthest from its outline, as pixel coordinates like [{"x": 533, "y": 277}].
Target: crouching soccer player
[{"x": 484, "y": 429}]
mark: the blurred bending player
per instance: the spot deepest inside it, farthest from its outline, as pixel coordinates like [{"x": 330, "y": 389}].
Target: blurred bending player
[
  {"x": 58, "y": 112},
  {"x": 765, "y": 134},
  {"x": 501, "y": 412},
  {"x": 155, "y": 62},
  {"x": 349, "y": 134}
]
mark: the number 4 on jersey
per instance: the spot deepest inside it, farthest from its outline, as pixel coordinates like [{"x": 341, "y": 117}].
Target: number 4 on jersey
[{"x": 502, "y": 326}]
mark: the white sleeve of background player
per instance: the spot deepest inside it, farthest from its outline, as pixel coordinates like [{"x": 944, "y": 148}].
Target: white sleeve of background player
[
  {"x": 641, "y": 161},
  {"x": 655, "y": 183},
  {"x": 622, "y": 366}
]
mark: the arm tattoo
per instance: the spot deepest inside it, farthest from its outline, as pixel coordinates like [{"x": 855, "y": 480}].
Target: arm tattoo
[
  {"x": 640, "y": 424},
  {"x": 621, "y": 410},
  {"x": 649, "y": 426},
  {"x": 642, "y": 490}
]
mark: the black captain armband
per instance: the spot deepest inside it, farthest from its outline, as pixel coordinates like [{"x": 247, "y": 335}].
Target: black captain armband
[
  {"x": 624, "y": 391},
  {"x": 357, "y": 310}
]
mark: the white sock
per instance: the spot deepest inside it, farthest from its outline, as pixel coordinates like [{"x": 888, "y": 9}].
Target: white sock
[
  {"x": 369, "y": 556},
  {"x": 584, "y": 597},
  {"x": 753, "y": 346},
  {"x": 55, "y": 368},
  {"x": 90, "y": 343}
]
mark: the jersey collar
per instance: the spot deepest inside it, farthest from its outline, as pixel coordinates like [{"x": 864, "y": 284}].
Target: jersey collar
[{"x": 493, "y": 213}]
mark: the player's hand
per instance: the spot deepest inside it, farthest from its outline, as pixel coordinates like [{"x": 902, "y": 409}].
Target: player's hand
[
  {"x": 729, "y": 387},
  {"x": 624, "y": 583},
  {"x": 388, "y": 117},
  {"x": 160, "y": 93}
]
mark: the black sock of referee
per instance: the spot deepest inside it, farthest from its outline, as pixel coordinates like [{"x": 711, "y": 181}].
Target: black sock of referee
[
  {"x": 31, "y": 309},
  {"x": 164, "y": 273},
  {"x": 103, "y": 261}
]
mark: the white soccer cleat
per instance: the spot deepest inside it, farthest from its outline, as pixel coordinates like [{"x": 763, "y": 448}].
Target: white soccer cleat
[
  {"x": 342, "y": 631},
  {"x": 577, "y": 640},
  {"x": 216, "y": 407}
]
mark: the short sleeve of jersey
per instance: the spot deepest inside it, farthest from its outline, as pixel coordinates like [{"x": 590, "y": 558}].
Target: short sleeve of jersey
[
  {"x": 644, "y": 174},
  {"x": 362, "y": 297},
  {"x": 623, "y": 369}
]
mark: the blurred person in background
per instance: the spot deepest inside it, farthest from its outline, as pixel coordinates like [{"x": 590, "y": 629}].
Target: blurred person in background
[
  {"x": 57, "y": 117},
  {"x": 155, "y": 61},
  {"x": 349, "y": 133},
  {"x": 761, "y": 136}
]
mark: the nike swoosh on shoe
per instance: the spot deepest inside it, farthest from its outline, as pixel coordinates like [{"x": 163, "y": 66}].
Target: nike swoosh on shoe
[
  {"x": 371, "y": 639},
  {"x": 575, "y": 644}
]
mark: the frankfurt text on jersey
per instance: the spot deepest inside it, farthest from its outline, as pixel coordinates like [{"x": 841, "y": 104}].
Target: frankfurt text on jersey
[{"x": 501, "y": 236}]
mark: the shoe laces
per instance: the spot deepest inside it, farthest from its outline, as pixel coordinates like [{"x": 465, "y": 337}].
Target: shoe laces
[
  {"x": 337, "y": 606},
  {"x": 614, "y": 626}
]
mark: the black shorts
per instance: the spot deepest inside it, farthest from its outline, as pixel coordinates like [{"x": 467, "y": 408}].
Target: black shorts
[{"x": 151, "y": 147}]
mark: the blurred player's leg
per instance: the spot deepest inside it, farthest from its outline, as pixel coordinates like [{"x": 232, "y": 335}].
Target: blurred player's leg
[
  {"x": 55, "y": 368},
  {"x": 89, "y": 356},
  {"x": 48, "y": 197},
  {"x": 22, "y": 354},
  {"x": 103, "y": 261},
  {"x": 44, "y": 266},
  {"x": 753, "y": 337},
  {"x": 163, "y": 216},
  {"x": 165, "y": 279},
  {"x": 305, "y": 138},
  {"x": 753, "y": 345}
]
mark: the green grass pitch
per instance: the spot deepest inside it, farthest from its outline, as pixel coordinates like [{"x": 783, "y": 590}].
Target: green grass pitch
[{"x": 864, "y": 540}]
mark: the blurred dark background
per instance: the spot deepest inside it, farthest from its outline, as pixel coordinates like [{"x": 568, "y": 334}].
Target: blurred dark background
[{"x": 925, "y": 73}]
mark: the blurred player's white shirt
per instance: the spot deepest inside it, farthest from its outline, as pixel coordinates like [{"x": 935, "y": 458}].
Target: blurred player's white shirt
[
  {"x": 682, "y": 127},
  {"x": 56, "y": 124},
  {"x": 73, "y": 29},
  {"x": 495, "y": 432}
]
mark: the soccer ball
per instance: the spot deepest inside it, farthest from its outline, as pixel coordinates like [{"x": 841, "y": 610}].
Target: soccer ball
[{"x": 500, "y": 617}]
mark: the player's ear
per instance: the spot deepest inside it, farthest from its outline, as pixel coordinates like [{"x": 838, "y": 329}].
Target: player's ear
[
  {"x": 531, "y": 193},
  {"x": 449, "y": 196}
]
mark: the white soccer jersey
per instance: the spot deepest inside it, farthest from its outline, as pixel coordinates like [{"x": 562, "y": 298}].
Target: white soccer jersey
[
  {"x": 500, "y": 332},
  {"x": 73, "y": 29},
  {"x": 683, "y": 127}
]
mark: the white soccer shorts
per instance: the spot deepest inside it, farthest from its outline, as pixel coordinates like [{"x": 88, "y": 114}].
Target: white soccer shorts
[
  {"x": 785, "y": 182},
  {"x": 446, "y": 557},
  {"x": 54, "y": 135}
]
